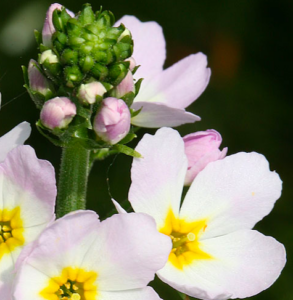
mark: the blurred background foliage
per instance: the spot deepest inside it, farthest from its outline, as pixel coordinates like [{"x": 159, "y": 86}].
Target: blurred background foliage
[{"x": 248, "y": 100}]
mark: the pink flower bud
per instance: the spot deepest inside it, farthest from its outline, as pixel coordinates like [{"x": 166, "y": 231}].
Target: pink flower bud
[
  {"x": 132, "y": 62},
  {"x": 88, "y": 92},
  {"x": 112, "y": 122},
  {"x": 49, "y": 28},
  {"x": 124, "y": 87},
  {"x": 58, "y": 112},
  {"x": 201, "y": 148},
  {"x": 37, "y": 81}
]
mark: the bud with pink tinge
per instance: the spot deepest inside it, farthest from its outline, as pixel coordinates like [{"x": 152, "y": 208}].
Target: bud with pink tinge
[
  {"x": 37, "y": 81},
  {"x": 49, "y": 28},
  {"x": 112, "y": 122},
  {"x": 57, "y": 113},
  {"x": 87, "y": 93},
  {"x": 124, "y": 87},
  {"x": 201, "y": 148}
]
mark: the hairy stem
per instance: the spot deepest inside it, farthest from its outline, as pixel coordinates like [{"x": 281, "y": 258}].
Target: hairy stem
[{"x": 73, "y": 179}]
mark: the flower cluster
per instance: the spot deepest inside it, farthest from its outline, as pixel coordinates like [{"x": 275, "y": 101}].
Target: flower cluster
[
  {"x": 86, "y": 62},
  {"x": 86, "y": 84}
]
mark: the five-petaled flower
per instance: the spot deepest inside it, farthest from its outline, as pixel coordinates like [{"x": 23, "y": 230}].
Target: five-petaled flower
[
  {"x": 215, "y": 253},
  {"x": 81, "y": 258}
]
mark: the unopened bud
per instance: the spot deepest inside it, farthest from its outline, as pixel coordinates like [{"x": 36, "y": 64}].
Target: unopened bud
[
  {"x": 49, "y": 56},
  {"x": 112, "y": 122},
  {"x": 58, "y": 113},
  {"x": 201, "y": 148},
  {"x": 89, "y": 92},
  {"x": 124, "y": 87},
  {"x": 37, "y": 81},
  {"x": 49, "y": 29}
]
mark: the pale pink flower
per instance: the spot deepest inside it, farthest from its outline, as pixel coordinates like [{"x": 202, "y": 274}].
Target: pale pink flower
[
  {"x": 28, "y": 192},
  {"x": 49, "y": 28},
  {"x": 113, "y": 259},
  {"x": 57, "y": 113},
  {"x": 112, "y": 122},
  {"x": 201, "y": 148},
  {"x": 215, "y": 254},
  {"x": 164, "y": 94}
]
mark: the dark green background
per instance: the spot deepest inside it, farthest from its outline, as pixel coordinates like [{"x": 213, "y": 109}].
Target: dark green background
[{"x": 248, "y": 100}]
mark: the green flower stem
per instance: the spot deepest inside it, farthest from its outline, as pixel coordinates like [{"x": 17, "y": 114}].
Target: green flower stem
[{"x": 73, "y": 179}]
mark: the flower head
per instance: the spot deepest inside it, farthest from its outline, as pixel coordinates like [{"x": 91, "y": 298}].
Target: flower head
[
  {"x": 164, "y": 94},
  {"x": 215, "y": 254},
  {"x": 112, "y": 122},
  {"x": 28, "y": 194},
  {"x": 201, "y": 148},
  {"x": 58, "y": 113},
  {"x": 81, "y": 258}
]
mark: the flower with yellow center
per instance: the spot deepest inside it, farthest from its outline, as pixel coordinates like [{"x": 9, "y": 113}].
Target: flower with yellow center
[
  {"x": 215, "y": 254},
  {"x": 27, "y": 199},
  {"x": 80, "y": 258}
]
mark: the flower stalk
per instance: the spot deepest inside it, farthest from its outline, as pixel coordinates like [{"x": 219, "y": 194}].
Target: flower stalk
[{"x": 74, "y": 171}]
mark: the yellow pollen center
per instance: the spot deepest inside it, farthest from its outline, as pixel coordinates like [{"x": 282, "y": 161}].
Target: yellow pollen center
[
  {"x": 11, "y": 230},
  {"x": 185, "y": 236},
  {"x": 72, "y": 284}
]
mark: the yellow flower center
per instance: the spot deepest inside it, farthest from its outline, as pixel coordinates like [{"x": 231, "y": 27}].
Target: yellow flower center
[
  {"x": 11, "y": 230},
  {"x": 185, "y": 239},
  {"x": 72, "y": 284}
]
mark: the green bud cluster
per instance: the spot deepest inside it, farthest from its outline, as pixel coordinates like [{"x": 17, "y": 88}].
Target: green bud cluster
[{"x": 88, "y": 48}]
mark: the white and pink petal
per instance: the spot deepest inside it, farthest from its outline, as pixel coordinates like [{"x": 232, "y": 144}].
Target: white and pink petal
[
  {"x": 128, "y": 251},
  {"x": 146, "y": 293},
  {"x": 242, "y": 264},
  {"x": 28, "y": 183},
  {"x": 231, "y": 194},
  {"x": 158, "y": 177},
  {"x": 149, "y": 46},
  {"x": 155, "y": 115},
  {"x": 179, "y": 85},
  {"x": 15, "y": 137}
]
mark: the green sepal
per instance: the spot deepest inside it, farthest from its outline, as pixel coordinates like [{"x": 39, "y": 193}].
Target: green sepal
[
  {"x": 126, "y": 150},
  {"x": 52, "y": 138},
  {"x": 138, "y": 85},
  {"x": 134, "y": 113},
  {"x": 117, "y": 72},
  {"x": 86, "y": 15},
  {"x": 38, "y": 37},
  {"x": 128, "y": 98},
  {"x": 57, "y": 21},
  {"x": 135, "y": 69},
  {"x": 105, "y": 18},
  {"x": 129, "y": 137}
]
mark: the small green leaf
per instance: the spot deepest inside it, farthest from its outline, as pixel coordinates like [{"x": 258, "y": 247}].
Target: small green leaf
[
  {"x": 137, "y": 86},
  {"x": 38, "y": 37},
  {"x": 126, "y": 150},
  {"x": 128, "y": 138},
  {"x": 134, "y": 113}
]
